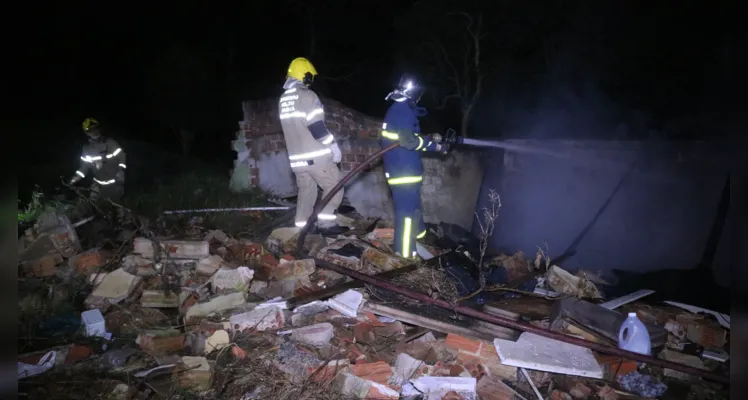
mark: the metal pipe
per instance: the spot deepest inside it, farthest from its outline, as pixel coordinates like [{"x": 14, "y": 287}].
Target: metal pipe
[
  {"x": 426, "y": 299},
  {"x": 422, "y": 297},
  {"x": 240, "y": 209}
]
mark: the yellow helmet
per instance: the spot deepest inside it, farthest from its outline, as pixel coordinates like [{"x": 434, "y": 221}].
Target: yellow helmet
[
  {"x": 89, "y": 123},
  {"x": 302, "y": 70}
]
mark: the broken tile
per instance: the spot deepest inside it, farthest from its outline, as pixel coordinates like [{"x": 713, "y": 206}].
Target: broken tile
[
  {"x": 214, "y": 305},
  {"x": 138, "y": 265},
  {"x": 317, "y": 335},
  {"x": 237, "y": 279},
  {"x": 382, "y": 260},
  {"x": 217, "y": 341},
  {"x": 539, "y": 353},
  {"x": 196, "y": 373},
  {"x": 433, "y": 388},
  {"x": 159, "y": 299},
  {"x": 259, "y": 319},
  {"x": 116, "y": 286},
  {"x": 680, "y": 358},
  {"x": 293, "y": 269},
  {"x": 405, "y": 369},
  {"x": 176, "y": 249},
  {"x": 209, "y": 265},
  {"x": 491, "y": 389},
  {"x": 347, "y": 303}
]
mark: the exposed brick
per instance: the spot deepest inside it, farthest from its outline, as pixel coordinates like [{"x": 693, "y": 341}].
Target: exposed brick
[
  {"x": 161, "y": 342},
  {"x": 491, "y": 389},
  {"x": 378, "y": 372},
  {"x": 462, "y": 343},
  {"x": 88, "y": 261},
  {"x": 44, "y": 266},
  {"x": 78, "y": 353}
]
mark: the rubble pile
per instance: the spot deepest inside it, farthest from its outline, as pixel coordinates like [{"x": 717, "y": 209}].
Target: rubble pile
[{"x": 222, "y": 317}]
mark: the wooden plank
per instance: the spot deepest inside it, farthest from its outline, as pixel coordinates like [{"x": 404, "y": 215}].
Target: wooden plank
[{"x": 479, "y": 331}]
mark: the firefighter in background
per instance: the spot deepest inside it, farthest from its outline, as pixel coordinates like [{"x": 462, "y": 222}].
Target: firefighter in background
[
  {"x": 104, "y": 160},
  {"x": 312, "y": 150},
  {"x": 402, "y": 165}
]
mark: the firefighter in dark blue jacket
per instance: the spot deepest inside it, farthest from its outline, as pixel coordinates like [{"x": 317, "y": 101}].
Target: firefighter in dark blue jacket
[{"x": 402, "y": 165}]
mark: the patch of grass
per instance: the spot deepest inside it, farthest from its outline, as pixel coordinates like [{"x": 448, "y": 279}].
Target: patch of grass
[
  {"x": 34, "y": 207},
  {"x": 200, "y": 190}
]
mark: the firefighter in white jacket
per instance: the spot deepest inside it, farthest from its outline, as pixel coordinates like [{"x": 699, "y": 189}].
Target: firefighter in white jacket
[
  {"x": 104, "y": 159},
  {"x": 312, "y": 150}
]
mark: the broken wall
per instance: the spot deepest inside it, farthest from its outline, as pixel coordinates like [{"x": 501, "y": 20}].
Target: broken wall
[
  {"x": 450, "y": 187},
  {"x": 660, "y": 217}
]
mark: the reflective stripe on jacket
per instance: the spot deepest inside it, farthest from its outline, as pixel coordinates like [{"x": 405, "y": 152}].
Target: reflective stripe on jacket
[
  {"x": 298, "y": 108},
  {"x": 403, "y": 166},
  {"x": 102, "y": 159}
]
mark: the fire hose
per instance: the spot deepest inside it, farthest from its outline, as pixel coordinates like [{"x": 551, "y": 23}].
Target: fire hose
[{"x": 426, "y": 299}]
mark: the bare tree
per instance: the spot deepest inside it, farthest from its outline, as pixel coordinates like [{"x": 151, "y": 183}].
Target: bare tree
[{"x": 464, "y": 74}]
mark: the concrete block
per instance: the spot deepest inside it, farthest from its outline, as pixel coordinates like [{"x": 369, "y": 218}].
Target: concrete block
[
  {"x": 536, "y": 352},
  {"x": 317, "y": 335},
  {"x": 259, "y": 319}
]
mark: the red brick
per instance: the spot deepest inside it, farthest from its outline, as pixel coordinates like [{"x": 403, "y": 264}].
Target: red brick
[
  {"x": 152, "y": 343},
  {"x": 44, "y": 266},
  {"x": 462, "y": 343},
  {"x": 372, "y": 319},
  {"x": 267, "y": 260},
  {"x": 364, "y": 332},
  {"x": 88, "y": 262},
  {"x": 78, "y": 353},
  {"x": 378, "y": 372}
]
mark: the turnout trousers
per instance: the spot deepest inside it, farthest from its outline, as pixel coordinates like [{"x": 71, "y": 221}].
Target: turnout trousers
[
  {"x": 409, "y": 225},
  {"x": 324, "y": 174}
]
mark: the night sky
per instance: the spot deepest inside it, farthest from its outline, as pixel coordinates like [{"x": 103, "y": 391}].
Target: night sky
[{"x": 142, "y": 71}]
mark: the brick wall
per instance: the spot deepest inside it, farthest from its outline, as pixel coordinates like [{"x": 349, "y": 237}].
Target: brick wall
[{"x": 448, "y": 181}]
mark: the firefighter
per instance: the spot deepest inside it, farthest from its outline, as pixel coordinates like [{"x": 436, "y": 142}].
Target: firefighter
[
  {"x": 402, "y": 165},
  {"x": 312, "y": 149},
  {"x": 104, "y": 160}
]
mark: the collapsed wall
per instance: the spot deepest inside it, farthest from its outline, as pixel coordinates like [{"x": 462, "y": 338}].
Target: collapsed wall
[{"x": 450, "y": 184}]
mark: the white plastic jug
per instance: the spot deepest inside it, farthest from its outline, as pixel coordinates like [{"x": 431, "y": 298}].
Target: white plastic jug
[{"x": 633, "y": 336}]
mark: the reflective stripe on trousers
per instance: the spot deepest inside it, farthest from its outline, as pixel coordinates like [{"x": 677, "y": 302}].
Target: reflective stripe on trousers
[{"x": 409, "y": 225}]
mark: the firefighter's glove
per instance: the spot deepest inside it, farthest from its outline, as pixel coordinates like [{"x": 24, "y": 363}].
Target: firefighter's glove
[
  {"x": 337, "y": 156},
  {"x": 74, "y": 179},
  {"x": 409, "y": 141},
  {"x": 120, "y": 177}
]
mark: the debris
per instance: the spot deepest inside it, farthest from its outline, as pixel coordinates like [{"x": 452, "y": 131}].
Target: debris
[
  {"x": 562, "y": 281},
  {"x": 716, "y": 354},
  {"x": 194, "y": 373},
  {"x": 598, "y": 320},
  {"x": 722, "y": 319},
  {"x": 539, "y": 353},
  {"x": 433, "y": 388},
  {"x": 226, "y": 279},
  {"x": 293, "y": 269},
  {"x": 346, "y": 303},
  {"x": 259, "y": 319},
  {"x": 45, "y": 363},
  {"x": 137, "y": 265},
  {"x": 405, "y": 368},
  {"x": 116, "y": 286},
  {"x": 214, "y": 305},
  {"x": 680, "y": 358},
  {"x": 317, "y": 335},
  {"x": 379, "y": 372},
  {"x": 642, "y": 385},
  {"x": 89, "y": 261},
  {"x": 209, "y": 265},
  {"x": 44, "y": 266},
  {"x": 94, "y": 324},
  {"x": 159, "y": 299},
  {"x": 159, "y": 342},
  {"x": 607, "y": 393},
  {"x": 173, "y": 249},
  {"x": 703, "y": 331},
  {"x": 217, "y": 341}
]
